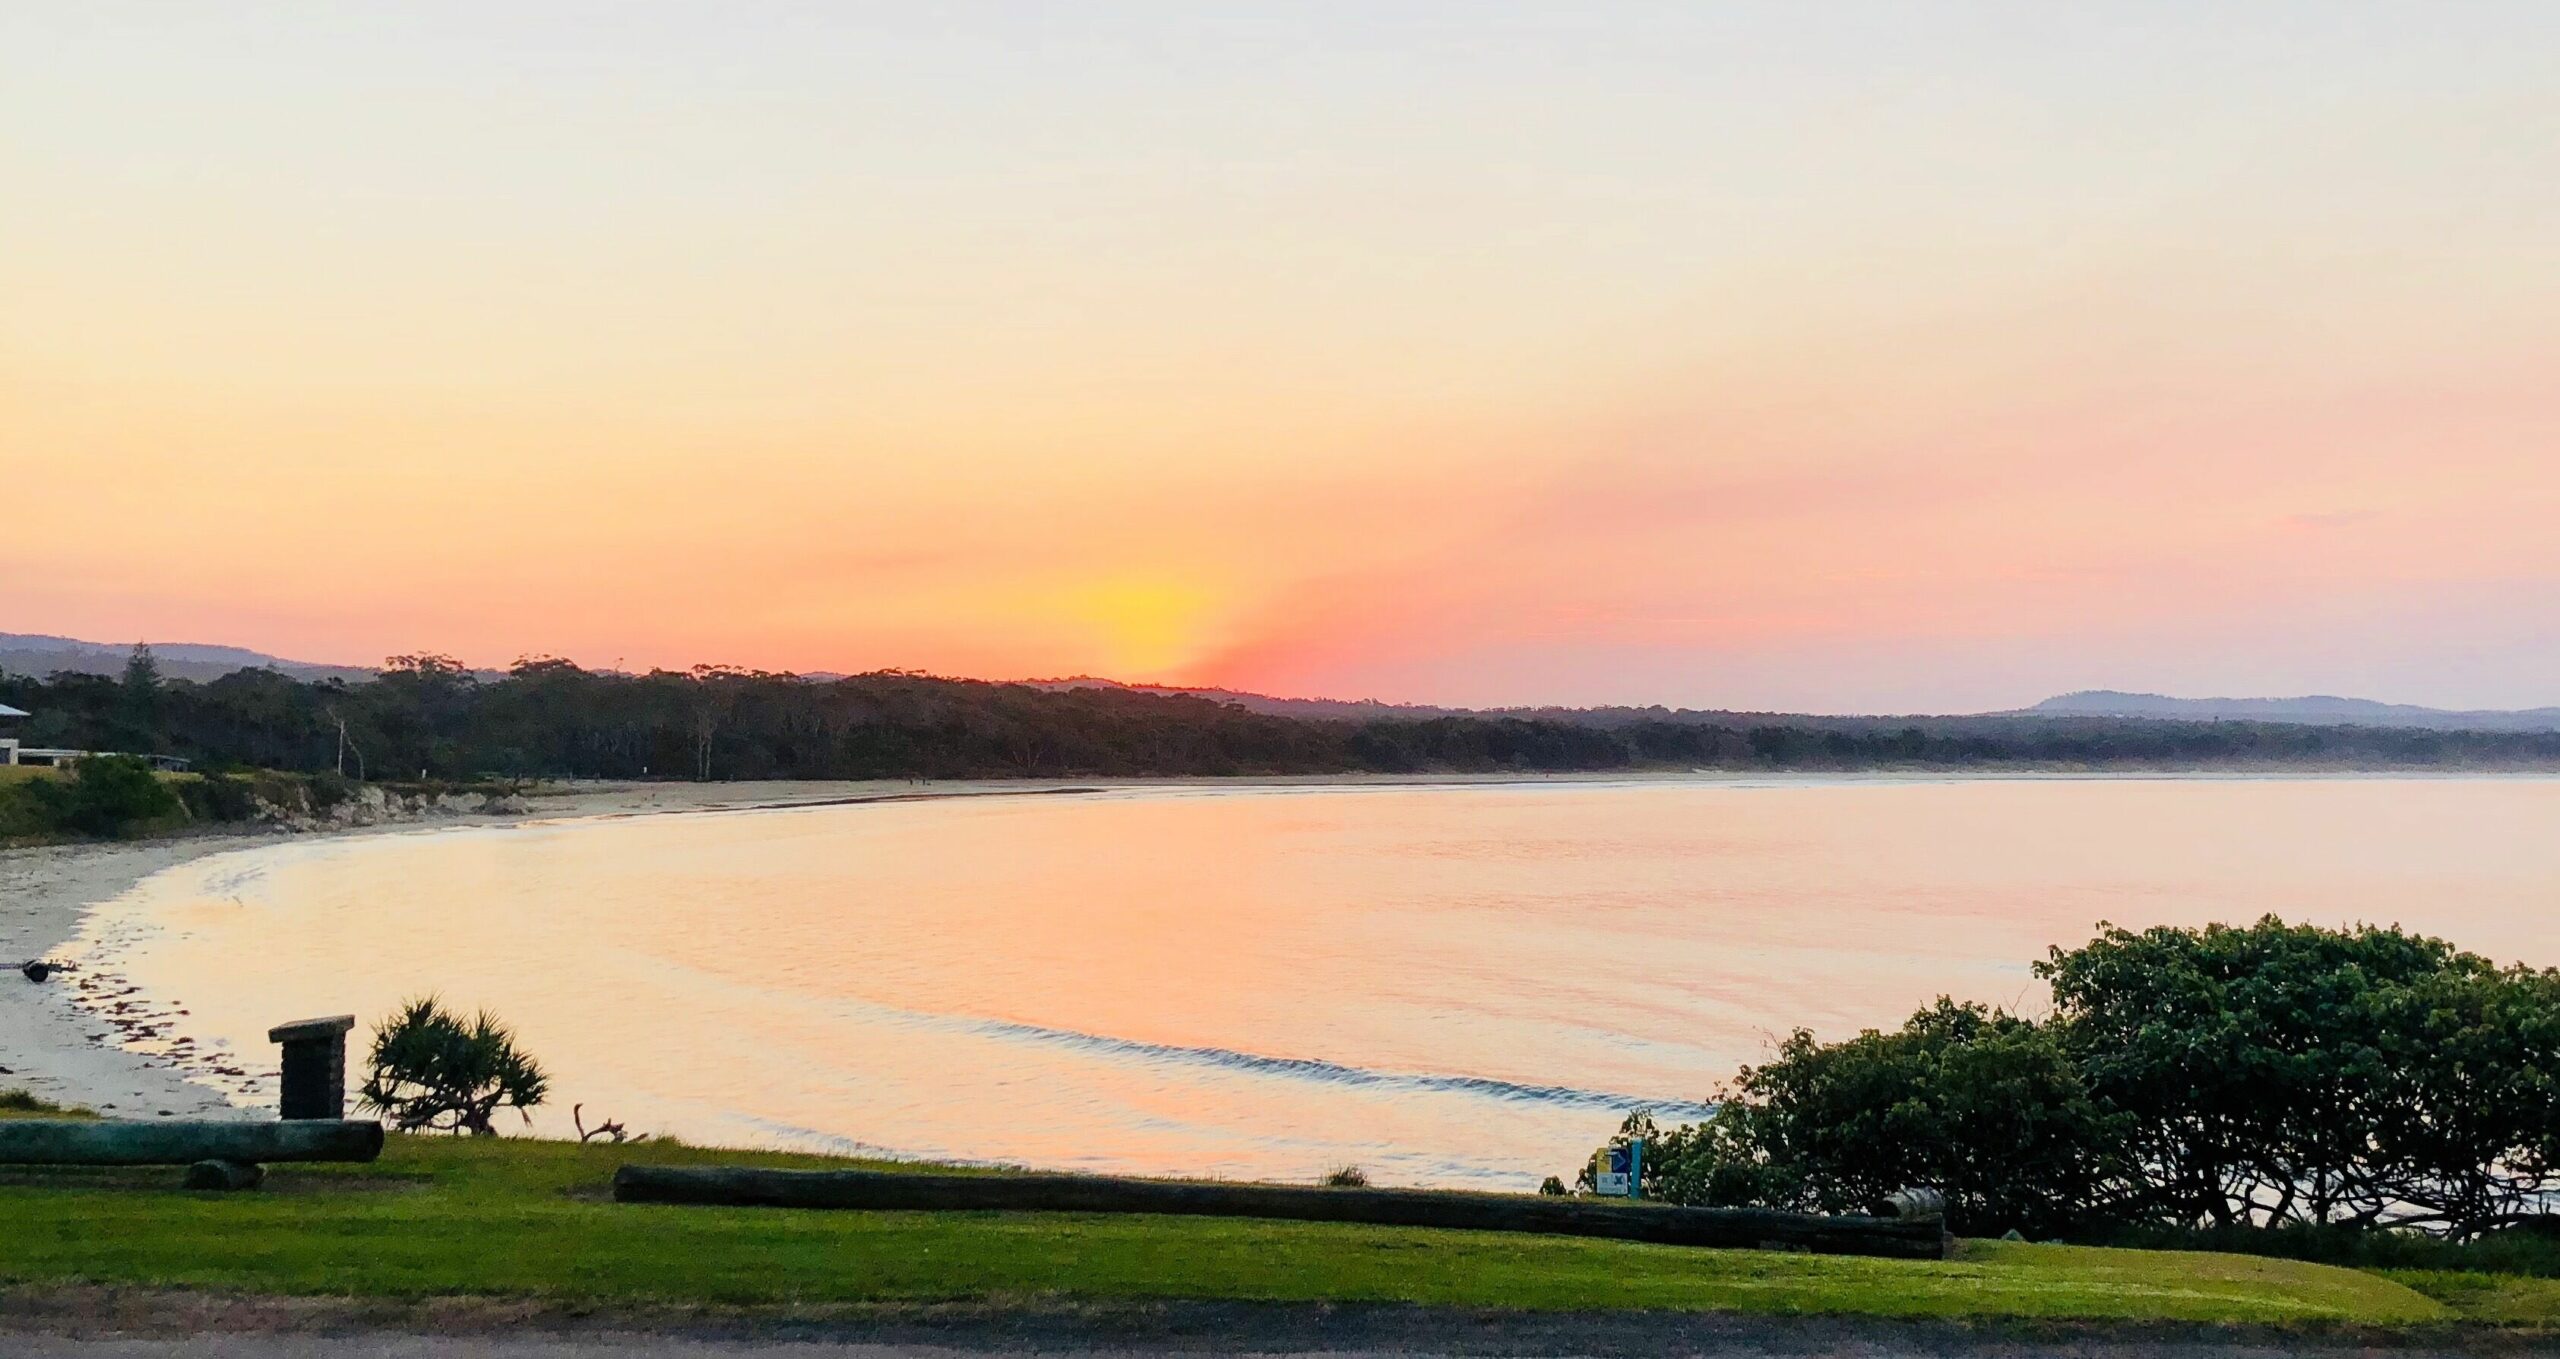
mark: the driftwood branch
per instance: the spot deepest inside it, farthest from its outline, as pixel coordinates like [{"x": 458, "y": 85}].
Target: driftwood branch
[{"x": 610, "y": 1130}]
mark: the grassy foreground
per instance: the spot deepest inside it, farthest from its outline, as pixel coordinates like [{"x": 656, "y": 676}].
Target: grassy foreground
[
  {"x": 526, "y": 1219},
  {"x": 2491, "y": 1299}
]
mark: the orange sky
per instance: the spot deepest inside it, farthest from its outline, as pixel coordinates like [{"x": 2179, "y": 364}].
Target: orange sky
[{"x": 1874, "y": 357}]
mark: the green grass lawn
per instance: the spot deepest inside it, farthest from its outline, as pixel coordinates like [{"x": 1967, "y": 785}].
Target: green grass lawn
[
  {"x": 2496, "y": 1299},
  {"x": 439, "y": 1217}
]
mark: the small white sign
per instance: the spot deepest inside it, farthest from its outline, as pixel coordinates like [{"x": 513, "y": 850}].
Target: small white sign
[{"x": 1611, "y": 1183}]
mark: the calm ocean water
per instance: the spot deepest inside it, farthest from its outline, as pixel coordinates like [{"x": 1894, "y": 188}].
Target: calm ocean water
[{"x": 1448, "y": 985}]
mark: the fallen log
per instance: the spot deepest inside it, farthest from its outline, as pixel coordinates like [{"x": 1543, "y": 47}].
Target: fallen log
[
  {"x": 173, "y": 1142},
  {"x": 1911, "y": 1205},
  {"x": 1744, "y": 1228}
]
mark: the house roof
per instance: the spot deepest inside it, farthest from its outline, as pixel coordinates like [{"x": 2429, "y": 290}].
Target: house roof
[{"x": 7, "y": 711}]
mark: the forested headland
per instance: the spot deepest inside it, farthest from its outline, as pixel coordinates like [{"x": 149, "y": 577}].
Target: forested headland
[{"x": 428, "y": 716}]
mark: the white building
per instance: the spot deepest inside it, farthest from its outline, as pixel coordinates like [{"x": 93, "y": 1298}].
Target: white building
[{"x": 11, "y": 752}]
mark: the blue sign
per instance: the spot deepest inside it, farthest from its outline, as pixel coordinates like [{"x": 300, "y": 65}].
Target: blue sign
[{"x": 1618, "y": 1172}]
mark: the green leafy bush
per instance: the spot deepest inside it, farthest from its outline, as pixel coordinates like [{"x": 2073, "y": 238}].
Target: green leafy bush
[
  {"x": 327, "y": 790},
  {"x": 432, "y": 1069},
  {"x": 24, "y": 812},
  {"x": 2228, "y": 1078},
  {"x": 2288, "y": 1074},
  {"x": 218, "y": 798},
  {"x": 1984, "y": 1106},
  {"x": 27, "y": 1103},
  {"x": 106, "y": 796}
]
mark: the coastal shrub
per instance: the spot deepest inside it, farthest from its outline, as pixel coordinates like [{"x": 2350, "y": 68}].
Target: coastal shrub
[
  {"x": 107, "y": 796},
  {"x": 287, "y": 792},
  {"x": 1347, "y": 1177},
  {"x": 327, "y": 790},
  {"x": 1984, "y": 1106},
  {"x": 2289, "y": 1074},
  {"x": 2217, "y": 1079},
  {"x": 24, "y": 812},
  {"x": 433, "y": 1069},
  {"x": 29, "y": 1104},
  {"x": 217, "y": 798}
]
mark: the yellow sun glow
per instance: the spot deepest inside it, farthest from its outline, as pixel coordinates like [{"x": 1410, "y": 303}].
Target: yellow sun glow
[{"x": 1145, "y": 626}]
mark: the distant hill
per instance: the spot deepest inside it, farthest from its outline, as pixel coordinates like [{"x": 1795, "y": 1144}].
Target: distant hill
[
  {"x": 36, "y": 654},
  {"x": 1356, "y": 710},
  {"x": 2325, "y": 709},
  {"x": 39, "y": 655},
  {"x": 2312, "y": 710}
]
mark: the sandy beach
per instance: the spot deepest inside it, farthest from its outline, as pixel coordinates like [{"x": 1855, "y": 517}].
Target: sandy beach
[{"x": 58, "y": 1036}]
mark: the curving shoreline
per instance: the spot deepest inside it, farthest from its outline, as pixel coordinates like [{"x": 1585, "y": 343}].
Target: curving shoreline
[
  {"x": 62, "y": 1049},
  {"x": 59, "y": 1038},
  {"x": 51, "y": 1044}
]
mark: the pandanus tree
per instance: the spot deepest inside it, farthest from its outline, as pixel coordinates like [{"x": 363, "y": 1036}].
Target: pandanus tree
[{"x": 432, "y": 1069}]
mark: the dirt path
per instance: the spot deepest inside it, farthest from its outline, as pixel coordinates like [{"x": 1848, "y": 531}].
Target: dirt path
[
  {"x": 382, "y": 1346},
  {"x": 1797, "y": 1341},
  {"x": 78, "y": 1323}
]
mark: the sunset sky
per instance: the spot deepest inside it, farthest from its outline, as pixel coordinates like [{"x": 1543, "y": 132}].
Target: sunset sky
[{"x": 1828, "y": 356}]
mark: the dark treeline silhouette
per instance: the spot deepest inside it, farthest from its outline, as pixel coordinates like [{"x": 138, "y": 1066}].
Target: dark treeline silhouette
[{"x": 429, "y": 716}]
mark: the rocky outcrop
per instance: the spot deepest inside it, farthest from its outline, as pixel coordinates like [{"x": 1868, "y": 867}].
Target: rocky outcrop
[{"x": 299, "y": 805}]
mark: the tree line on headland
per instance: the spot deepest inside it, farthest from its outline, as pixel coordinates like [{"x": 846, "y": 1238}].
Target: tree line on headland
[{"x": 429, "y": 716}]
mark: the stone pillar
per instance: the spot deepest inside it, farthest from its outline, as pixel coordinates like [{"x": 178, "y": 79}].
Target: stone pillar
[{"x": 315, "y": 1066}]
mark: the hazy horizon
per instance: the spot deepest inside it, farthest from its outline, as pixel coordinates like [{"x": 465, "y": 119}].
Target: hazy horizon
[
  {"x": 1869, "y": 358},
  {"x": 187, "y": 654}
]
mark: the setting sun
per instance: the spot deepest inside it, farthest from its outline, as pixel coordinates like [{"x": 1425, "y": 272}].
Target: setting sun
[
  {"x": 1148, "y": 629},
  {"x": 1906, "y": 361}
]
